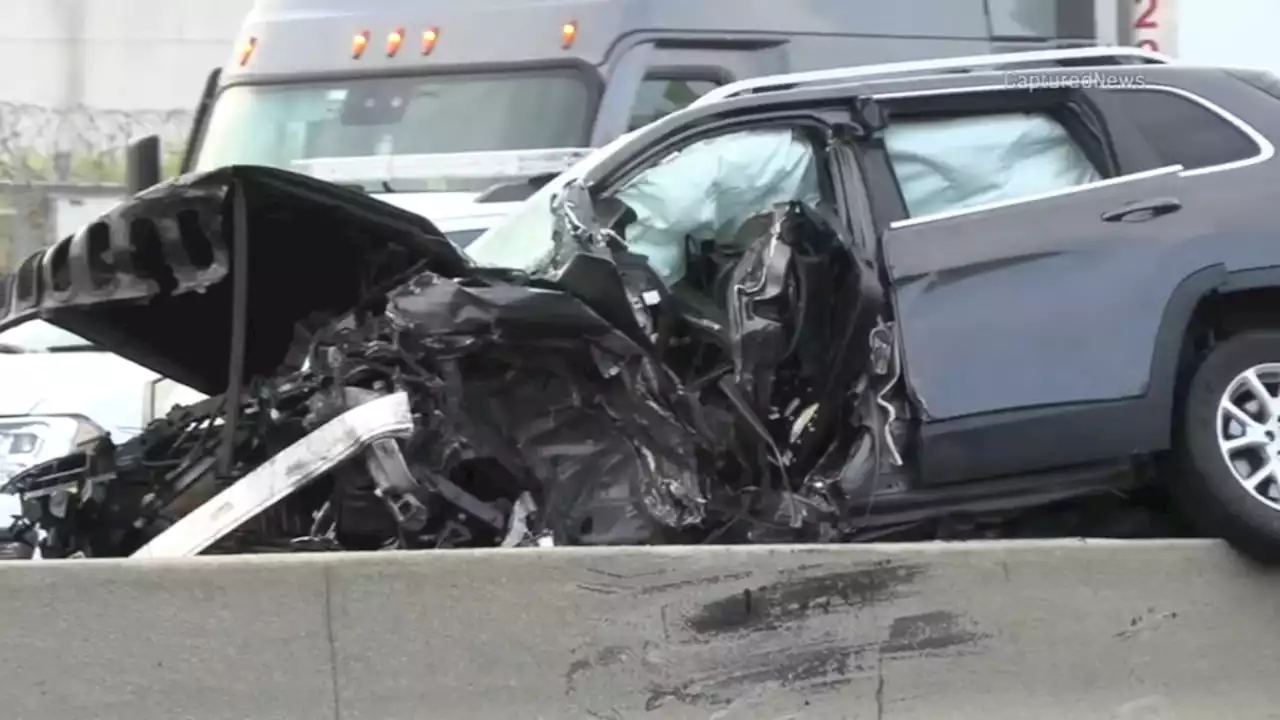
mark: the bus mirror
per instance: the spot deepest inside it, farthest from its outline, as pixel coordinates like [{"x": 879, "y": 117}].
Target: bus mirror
[{"x": 142, "y": 164}]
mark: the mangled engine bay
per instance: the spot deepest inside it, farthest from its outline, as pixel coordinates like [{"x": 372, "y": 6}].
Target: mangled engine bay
[{"x": 431, "y": 403}]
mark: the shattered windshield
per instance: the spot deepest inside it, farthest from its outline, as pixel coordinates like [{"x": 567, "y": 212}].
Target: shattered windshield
[
  {"x": 278, "y": 125},
  {"x": 522, "y": 240}
]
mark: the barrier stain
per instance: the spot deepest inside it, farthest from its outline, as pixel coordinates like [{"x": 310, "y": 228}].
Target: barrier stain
[
  {"x": 1146, "y": 622},
  {"x": 926, "y": 632},
  {"x": 610, "y": 655},
  {"x": 683, "y": 584},
  {"x": 817, "y": 668},
  {"x": 771, "y": 606},
  {"x": 808, "y": 633}
]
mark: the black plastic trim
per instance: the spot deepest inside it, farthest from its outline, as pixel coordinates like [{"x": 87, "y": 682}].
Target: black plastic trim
[
  {"x": 710, "y": 73},
  {"x": 195, "y": 138}
]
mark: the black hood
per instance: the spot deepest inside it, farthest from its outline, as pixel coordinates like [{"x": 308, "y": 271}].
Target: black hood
[{"x": 152, "y": 280}]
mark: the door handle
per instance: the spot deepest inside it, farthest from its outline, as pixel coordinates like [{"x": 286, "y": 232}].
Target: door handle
[{"x": 1143, "y": 210}]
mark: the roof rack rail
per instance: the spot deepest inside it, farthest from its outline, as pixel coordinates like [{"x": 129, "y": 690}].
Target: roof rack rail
[{"x": 945, "y": 64}]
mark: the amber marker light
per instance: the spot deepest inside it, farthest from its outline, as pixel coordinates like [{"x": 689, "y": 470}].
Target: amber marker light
[
  {"x": 246, "y": 50},
  {"x": 429, "y": 38},
  {"x": 568, "y": 34},
  {"x": 359, "y": 43}
]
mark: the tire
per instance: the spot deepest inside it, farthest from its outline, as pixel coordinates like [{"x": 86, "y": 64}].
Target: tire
[{"x": 1205, "y": 487}]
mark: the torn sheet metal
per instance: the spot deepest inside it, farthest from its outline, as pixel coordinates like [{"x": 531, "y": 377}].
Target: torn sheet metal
[
  {"x": 537, "y": 382},
  {"x": 283, "y": 474},
  {"x": 516, "y": 410},
  {"x": 150, "y": 279},
  {"x": 801, "y": 312}
]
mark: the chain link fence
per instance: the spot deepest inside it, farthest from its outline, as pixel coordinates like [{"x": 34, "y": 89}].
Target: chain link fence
[{"x": 60, "y": 167}]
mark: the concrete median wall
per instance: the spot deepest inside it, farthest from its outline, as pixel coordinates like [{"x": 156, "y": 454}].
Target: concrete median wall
[{"x": 1064, "y": 629}]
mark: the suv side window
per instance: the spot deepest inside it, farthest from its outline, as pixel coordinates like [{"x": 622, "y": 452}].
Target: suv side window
[
  {"x": 951, "y": 162},
  {"x": 661, "y": 96},
  {"x": 1180, "y": 130}
]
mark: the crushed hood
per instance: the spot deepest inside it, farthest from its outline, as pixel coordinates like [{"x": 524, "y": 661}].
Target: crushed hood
[{"x": 151, "y": 280}]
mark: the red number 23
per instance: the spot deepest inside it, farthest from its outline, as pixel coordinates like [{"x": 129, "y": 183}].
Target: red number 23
[{"x": 1147, "y": 18}]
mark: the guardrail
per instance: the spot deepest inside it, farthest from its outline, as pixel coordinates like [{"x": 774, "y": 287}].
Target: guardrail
[{"x": 1045, "y": 630}]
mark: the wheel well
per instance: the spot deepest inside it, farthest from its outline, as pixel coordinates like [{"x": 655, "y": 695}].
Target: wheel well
[
  {"x": 1228, "y": 314},
  {"x": 1219, "y": 316}
]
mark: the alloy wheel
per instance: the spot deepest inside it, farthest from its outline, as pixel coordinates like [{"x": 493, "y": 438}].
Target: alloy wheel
[{"x": 1249, "y": 431}]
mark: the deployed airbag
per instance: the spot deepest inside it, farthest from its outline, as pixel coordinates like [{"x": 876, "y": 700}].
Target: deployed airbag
[
  {"x": 945, "y": 164},
  {"x": 707, "y": 191}
]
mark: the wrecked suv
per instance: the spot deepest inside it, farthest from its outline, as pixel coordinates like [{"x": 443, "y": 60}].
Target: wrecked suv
[{"x": 897, "y": 304}]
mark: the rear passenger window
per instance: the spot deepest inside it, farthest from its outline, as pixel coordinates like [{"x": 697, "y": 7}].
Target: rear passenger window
[
  {"x": 952, "y": 163},
  {"x": 659, "y": 97},
  {"x": 1180, "y": 130}
]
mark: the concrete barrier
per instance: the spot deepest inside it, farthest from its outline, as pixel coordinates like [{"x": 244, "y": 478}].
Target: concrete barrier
[{"x": 1043, "y": 630}]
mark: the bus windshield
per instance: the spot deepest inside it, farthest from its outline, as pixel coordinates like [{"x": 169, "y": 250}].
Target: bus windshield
[{"x": 279, "y": 124}]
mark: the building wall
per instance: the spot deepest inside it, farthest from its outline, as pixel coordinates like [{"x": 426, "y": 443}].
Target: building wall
[
  {"x": 78, "y": 80},
  {"x": 113, "y": 54}
]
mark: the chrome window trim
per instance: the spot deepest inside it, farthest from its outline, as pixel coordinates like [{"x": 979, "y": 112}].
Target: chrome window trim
[
  {"x": 975, "y": 209},
  {"x": 989, "y": 61}
]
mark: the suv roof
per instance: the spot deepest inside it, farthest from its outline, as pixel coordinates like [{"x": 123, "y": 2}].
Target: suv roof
[
  {"x": 822, "y": 84},
  {"x": 1065, "y": 57}
]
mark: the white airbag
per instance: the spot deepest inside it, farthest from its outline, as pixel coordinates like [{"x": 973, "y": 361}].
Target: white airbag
[
  {"x": 956, "y": 163},
  {"x": 709, "y": 189}
]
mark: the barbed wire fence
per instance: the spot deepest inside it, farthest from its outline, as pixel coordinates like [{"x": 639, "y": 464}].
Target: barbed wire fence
[{"x": 56, "y": 160}]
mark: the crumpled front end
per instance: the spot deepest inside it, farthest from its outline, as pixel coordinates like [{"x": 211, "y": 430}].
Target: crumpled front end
[
  {"x": 472, "y": 407},
  {"x": 522, "y": 408}
]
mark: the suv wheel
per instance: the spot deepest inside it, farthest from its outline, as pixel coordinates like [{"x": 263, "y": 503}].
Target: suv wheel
[{"x": 1228, "y": 477}]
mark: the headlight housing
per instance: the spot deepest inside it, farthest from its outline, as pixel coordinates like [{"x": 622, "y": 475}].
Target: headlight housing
[{"x": 28, "y": 440}]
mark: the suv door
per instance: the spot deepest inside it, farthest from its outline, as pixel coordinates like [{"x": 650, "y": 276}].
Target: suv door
[
  {"x": 1023, "y": 305},
  {"x": 1041, "y": 303}
]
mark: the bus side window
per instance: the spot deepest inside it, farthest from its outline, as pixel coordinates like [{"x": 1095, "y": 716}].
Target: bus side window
[{"x": 661, "y": 96}]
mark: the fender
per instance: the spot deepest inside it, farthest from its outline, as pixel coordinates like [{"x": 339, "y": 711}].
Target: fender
[
  {"x": 1155, "y": 422},
  {"x": 1177, "y": 321},
  {"x": 1173, "y": 329}
]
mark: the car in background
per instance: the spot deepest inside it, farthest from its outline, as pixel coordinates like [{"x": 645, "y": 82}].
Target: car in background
[{"x": 46, "y": 370}]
